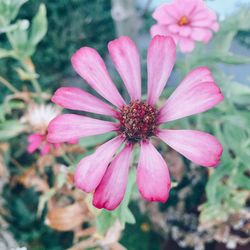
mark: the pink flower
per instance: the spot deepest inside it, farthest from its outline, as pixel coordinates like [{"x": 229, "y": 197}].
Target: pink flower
[
  {"x": 105, "y": 172},
  {"x": 38, "y": 142},
  {"x": 186, "y": 21},
  {"x": 38, "y": 118}
]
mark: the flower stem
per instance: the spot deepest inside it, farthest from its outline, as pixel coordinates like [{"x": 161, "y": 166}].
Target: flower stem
[
  {"x": 8, "y": 85},
  {"x": 125, "y": 17},
  {"x": 29, "y": 69}
]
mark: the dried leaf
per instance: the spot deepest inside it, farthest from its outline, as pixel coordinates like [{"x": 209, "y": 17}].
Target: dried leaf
[
  {"x": 30, "y": 179},
  {"x": 66, "y": 218}
]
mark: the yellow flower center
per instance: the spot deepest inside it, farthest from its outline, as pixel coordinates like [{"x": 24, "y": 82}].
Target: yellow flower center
[{"x": 183, "y": 21}]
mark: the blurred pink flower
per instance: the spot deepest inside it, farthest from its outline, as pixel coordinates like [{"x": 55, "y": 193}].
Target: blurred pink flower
[
  {"x": 38, "y": 118},
  {"x": 186, "y": 21},
  {"x": 104, "y": 172},
  {"x": 38, "y": 141}
]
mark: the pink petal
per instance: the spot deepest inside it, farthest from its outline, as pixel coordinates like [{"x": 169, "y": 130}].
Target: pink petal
[
  {"x": 196, "y": 93},
  {"x": 34, "y": 141},
  {"x": 165, "y": 14},
  {"x": 45, "y": 149},
  {"x": 126, "y": 59},
  {"x": 186, "y": 44},
  {"x": 215, "y": 26},
  {"x": 160, "y": 62},
  {"x": 35, "y": 138},
  {"x": 185, "y": 31},
  {"x": 202, "y": 23},
  {"x": 75, "y": 141},
  {"x": 77, "y": 99},
  {"x": 174, "y": 28},
  {"x": 188, "y": 7},
  {"x": 69, "y": 127},
  {"x": 91, "y": 169},
  {"x": 152, "y": 176},
  {"x": 200, "y": 15},
  {"x": 195, "y": 77},
  {"x": 111, "y": 190},
  {"x": 201, "y": 34},
  {"x": 162, "y": 30},
  {"x": 204, "y": 14},
  {"x": 90, "y": 66},
  {"x": 199, "y": 147}
]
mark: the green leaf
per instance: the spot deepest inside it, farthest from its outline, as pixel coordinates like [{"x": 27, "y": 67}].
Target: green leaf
[
  {"x": 214, "y": 181},
  {"x": 6, "y": 53},
  {"x": 230, "y": 58},
  {"x": 39, "y": 26},
  {"x": 18, "y": 39},
  {"x": 44, "y": 199},
  {"x": 240, "y": 119},
  {"x": 24, "y": 40},
  {"x": 241, "y": 180},
  {"x": 212, "y": 211},
  {"x": 61, "y": 179},
  {"x": 234, "y": 135},
  {"x": 9, "y": 10},
  {"x": 106, "y": 218},
  {"x": 7, "y": 107},
  {"x": 123, "y": 213},
  {"x": 93, "y": 141},
  {"x": 104, "y": 221},
  {"x": 229, "y": 28},
  {"x": 10, "y": 129}
]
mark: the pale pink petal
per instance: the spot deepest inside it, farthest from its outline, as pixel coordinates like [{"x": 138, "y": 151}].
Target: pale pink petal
[
  {"x": 160, "y": 62},
  {"x": 186, "y": 44},
  {"x": 75, "y": 141},
  {"x": 125, "y": 57},
  {"x": 152, "y": 175},
  {"x": 185, "y": 31},
  {"x": 195, "y": 78},
  {"x": 91, "y": 169},
  {"x": 166, "y": 14},
  {"x": 35, "y": 138},
  {"x": 77, "y": 99},
  {"x": 201, "y": 34},
  {"x": 202, "y": 23},
  {"x": 174, "y": 28},
  {"x": 195, "y": 100},
  {"x": 90, "y": 66},
  {"x": 215, "y": 26},
  {"x": 159, "y": 29},
  {"x": 34, "y": 142},
  {"x": 111, "y": 190},
  {"x": 199, "y": 147},
  {"x": 188, "y": 7},
  {"x": 68, "y": 127},
  {"x": 203, "y": 14},
  {"x": 162, "y": 30},
  {"x": 45, "y": 149}
]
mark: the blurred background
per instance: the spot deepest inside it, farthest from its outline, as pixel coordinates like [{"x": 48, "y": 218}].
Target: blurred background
[{"x": 39, "y": 207}]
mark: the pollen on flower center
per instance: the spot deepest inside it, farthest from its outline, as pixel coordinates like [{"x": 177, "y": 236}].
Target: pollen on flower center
[
  {"x": 138, "y": 121},
  {"x": 183, "y": 21}
]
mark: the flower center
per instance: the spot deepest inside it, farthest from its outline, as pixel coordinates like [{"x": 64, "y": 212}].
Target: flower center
[
  {"x": 138, "y": 121},
  {"x": 183, "y": 21}
]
